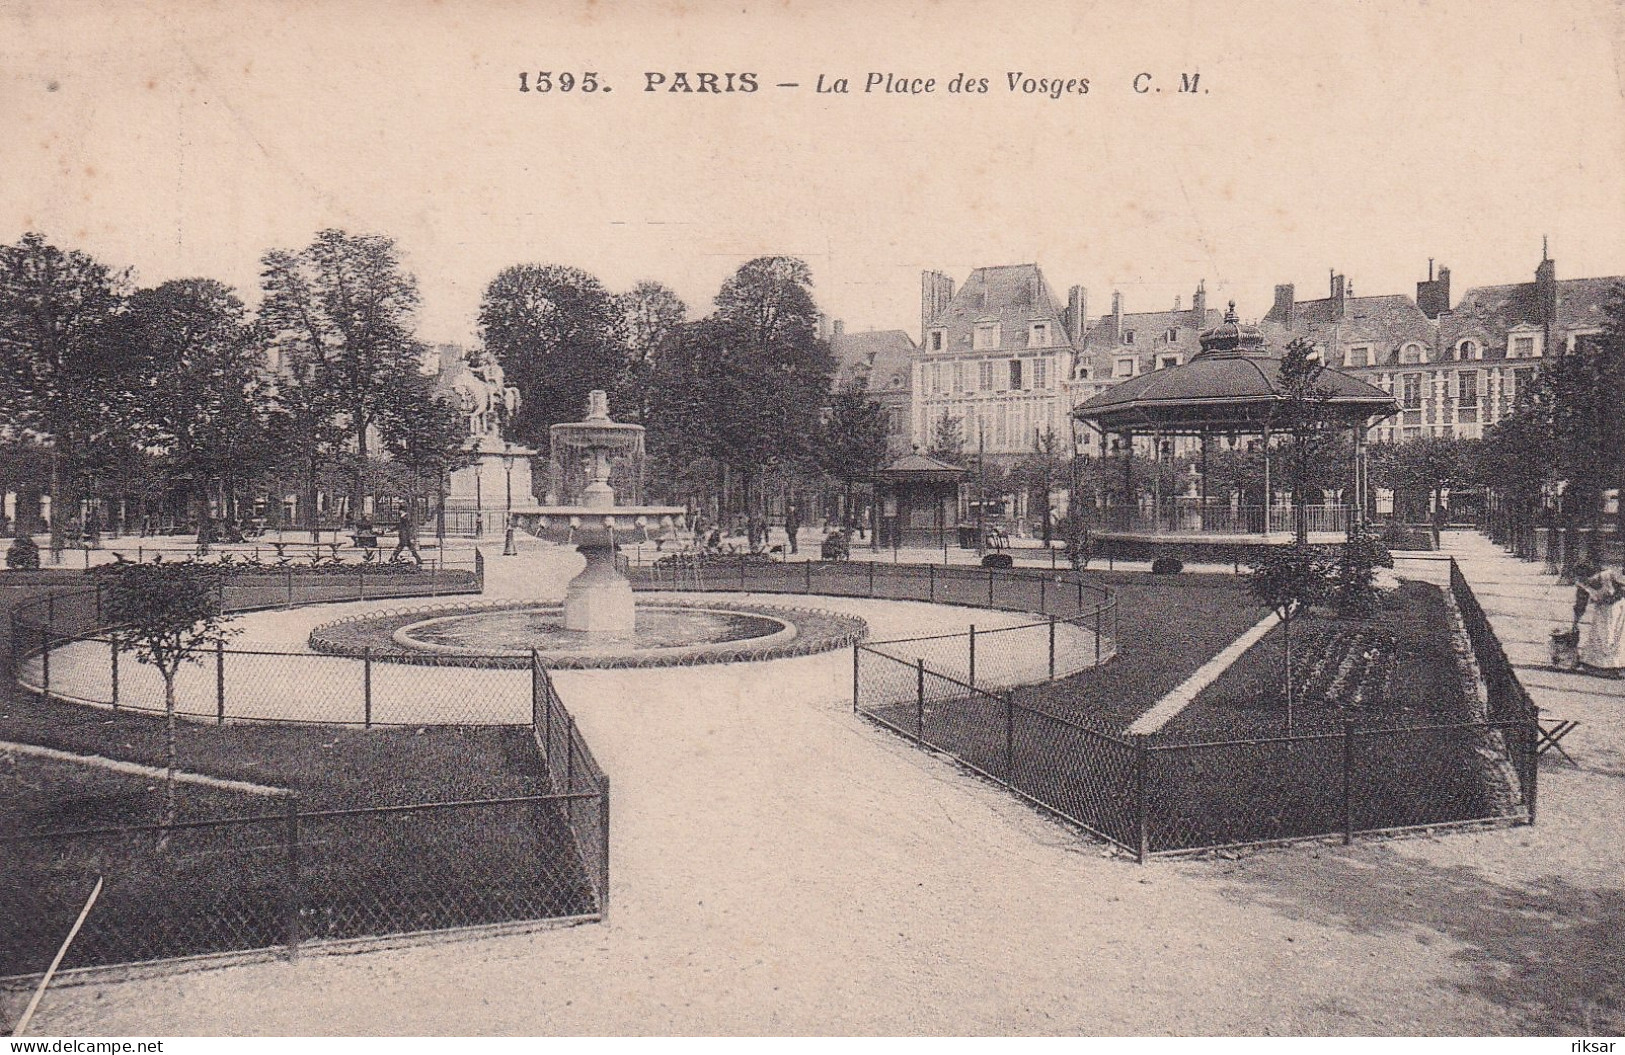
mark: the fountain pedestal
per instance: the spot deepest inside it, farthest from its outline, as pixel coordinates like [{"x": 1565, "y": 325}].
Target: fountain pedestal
[{"x": 599, "y": 600}]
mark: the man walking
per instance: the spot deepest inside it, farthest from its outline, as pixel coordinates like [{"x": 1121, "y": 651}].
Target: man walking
[
  {"x": 406, "y": 532},
  {"x": 792, "y": 523}
]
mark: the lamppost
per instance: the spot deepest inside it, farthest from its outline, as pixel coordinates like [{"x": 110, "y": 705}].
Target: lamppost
[
  {"x": 508, "y": 549},
  {"x": 981, "y": 489}
]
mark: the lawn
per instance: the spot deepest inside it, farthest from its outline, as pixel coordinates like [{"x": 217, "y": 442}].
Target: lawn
[
  {"x": 1398, "y": 668},
  {"x": 235, "y": 885},
  {"x": 1169, "y": 626}
]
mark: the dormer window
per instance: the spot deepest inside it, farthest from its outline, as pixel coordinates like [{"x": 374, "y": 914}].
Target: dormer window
[
  {"x": 1123, "y": 367},
  {"x": 1128, "y": 336},
  {"x": 1167, "y": 362},
  {"x": 1083, "y": 373},
  {"x": 938, "y": 340},
  {"x": 1038, "y": 335},
  {"x": 1411, "y": 354},
  {"x": 1467, "y": 351},
  {"x": 986, "y": 336},
  {"x": 1359, "y": 355},
  {"x": 1172, "y": 336},
  {"x": 1525, "y": 346}
]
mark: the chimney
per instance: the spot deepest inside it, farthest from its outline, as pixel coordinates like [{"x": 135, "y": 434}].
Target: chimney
[
  {"x": 1546, "y": 294},
  {"x": 1117, "y": 317},
  {"x": 1339, "y": 298},
  {"x": 1285, "y": 298},
  {"x": 838, "y": 328},
  {"x": 1433, "y": 296},
  {"x": 1199, "y": 305},
  {"x": 1077, "y": 314},
  {"x": 936, "y": 292}
]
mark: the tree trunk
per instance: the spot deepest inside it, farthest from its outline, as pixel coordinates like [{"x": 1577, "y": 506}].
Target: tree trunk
[{"x": 170, "y": 752}]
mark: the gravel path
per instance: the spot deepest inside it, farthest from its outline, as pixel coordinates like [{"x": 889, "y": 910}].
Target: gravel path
[{"x": 783, "y": 867}]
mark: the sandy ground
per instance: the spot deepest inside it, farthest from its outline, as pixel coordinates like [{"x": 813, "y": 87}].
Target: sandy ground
[{"x": 781, "y": 866}]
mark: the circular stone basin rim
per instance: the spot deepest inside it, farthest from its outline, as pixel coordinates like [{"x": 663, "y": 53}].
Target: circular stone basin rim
[{"x": 609, "y": 645}]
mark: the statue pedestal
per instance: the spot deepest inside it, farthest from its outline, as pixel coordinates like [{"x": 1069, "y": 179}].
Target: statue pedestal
[
  {"x": 479, "y": 492},
  {"x": 599, "y": 600}
]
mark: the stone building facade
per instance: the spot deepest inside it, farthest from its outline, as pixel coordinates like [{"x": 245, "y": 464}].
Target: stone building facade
[{"x": 995, "y": 354}]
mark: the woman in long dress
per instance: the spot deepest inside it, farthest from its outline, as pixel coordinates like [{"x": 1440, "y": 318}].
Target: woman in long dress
[{"x": 1602, "y": 644}]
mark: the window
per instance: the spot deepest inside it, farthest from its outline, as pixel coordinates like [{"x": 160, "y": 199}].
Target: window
[
  {"x": 1171, "y": 336},
  {"x": 1124, "y": 367},
  {"x": 1083, "y": 373},
  {"x": 897, "y": 380},
  {"x": 1167, "y": 361},
  {"x": 986, "y": 337},
  {"x": 1359, "y": 355},
  {"x": 1469, "y": 351},
  {"x": 959, "y": 378},
  {"x": 1412, "y": 392},
  {"x": 1411, "y": 354},
  {"x": 985, "y": 376},
  {"x": 937, "y": 387},
  {"x": 1038, "y": 335},
  {"x": 1128, "y": 336},
  {"x": 1040, "y": 373},
  {"x": 939, "y": 340},
  {"x": 1015, "y": 375},
  {"x": 1467, "y": 389},
  {"x": 1522, "y": 348}
]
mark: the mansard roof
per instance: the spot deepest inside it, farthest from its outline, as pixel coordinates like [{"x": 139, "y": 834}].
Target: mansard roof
[{"x": 1012, "y": 295}]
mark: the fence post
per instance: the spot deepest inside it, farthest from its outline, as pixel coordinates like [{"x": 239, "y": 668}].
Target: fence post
[
  {"x": 569, "y": 753},
  {"x": 808, "y": 565},
  {"x": 45, "y": 660},
  {"x": 289, "y": 572},
  {"x": 973, "y": 655},
  {"x": 1080, "y": 595},
  {"x": 919, "y": 699},
  {"x": 871, "y": 578},
  {"x": 1142, "y": 759},
  {"x": 366, "y": 688},
  {"x": 1348, "y": 783},
  {"x": 1043, "y": 584},
  {"x": 1532, "y": 754},
  {"x": 854, "y": 679},
  {"x": 292, "y": 937},
  {"x": 931, "y": 578},
  {"x": 220, "y": 683},
  {"x": 603, "y": 849},
  {"x": 990, "y": 587},
  {"x": 113, "y": 637},
  {"x": 1010, "y": 739},
  {"x": 1052, "y": 648},
  {"x": 1099, "y": 629}
]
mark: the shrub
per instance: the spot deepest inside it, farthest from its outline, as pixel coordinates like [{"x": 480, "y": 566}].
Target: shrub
[
  {"x": 23, "y": 554},
  {"x": 1167, "y": 566},
  {"x": 997, "y": 560},
  {"x": 1353, "y": 581}
]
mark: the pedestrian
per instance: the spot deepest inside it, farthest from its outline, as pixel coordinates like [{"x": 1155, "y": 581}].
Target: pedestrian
[
  {"x": 1602, "y": 647},
  {"x": 792, "y": 523},
  {"x": 406, "y": 535}
]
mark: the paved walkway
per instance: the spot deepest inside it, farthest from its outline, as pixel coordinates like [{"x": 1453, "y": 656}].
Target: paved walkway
[{"x": 1524, "y": 605}]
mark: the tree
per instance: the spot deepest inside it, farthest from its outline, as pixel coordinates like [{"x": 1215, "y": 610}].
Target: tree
[
  {"x": 746, "y": 386},
  {"x": 166, "y": 614},
  {"x": 853, "y": 440},
  {"x": 1420, "y": 471},
  {"x": 423, "y": 434},
  {"x": 948, "y": 439},
  {"x": 558, "y": 334},
  {"x": 653, "y": 318},
  {"x": 340, "y": 314},
  {"x": 1303, "y": 412},
  {"x": 203, "y": 404},
  {"x": 63, "y": 353},
  {"x": 1287, "y": 580}
]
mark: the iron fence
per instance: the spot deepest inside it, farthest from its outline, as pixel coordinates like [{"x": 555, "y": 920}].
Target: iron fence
[
  {"x": 575, "y": 776},
  {"x": 1153, "y": 795},
  {"x": 1078, "y": 628}
]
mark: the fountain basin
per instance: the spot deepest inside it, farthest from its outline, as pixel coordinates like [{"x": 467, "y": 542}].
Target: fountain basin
[{"x": 672, "y": 633}]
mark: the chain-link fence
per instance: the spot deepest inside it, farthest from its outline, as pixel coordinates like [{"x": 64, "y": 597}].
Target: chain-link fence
[{"x": 1151, "y": 795}]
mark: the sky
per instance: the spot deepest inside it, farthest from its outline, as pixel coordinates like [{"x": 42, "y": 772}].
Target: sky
[{"x": 183, "y": 137}]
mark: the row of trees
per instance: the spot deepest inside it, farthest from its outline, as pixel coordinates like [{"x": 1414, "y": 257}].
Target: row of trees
[
  {"x": 126, "y": 392},
  {"x": 117, "y": 392},
  {"x": 735, "y": 401}
]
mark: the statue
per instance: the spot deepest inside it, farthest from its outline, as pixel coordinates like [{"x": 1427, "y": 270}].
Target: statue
[
  {"x": 498, "y": 482},
  {"x": 478, "y": 386}
]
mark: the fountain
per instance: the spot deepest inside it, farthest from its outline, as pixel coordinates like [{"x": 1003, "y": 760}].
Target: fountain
[
  {"x": 599, "y": 600},
  {"x": 599, "y": 625}
]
